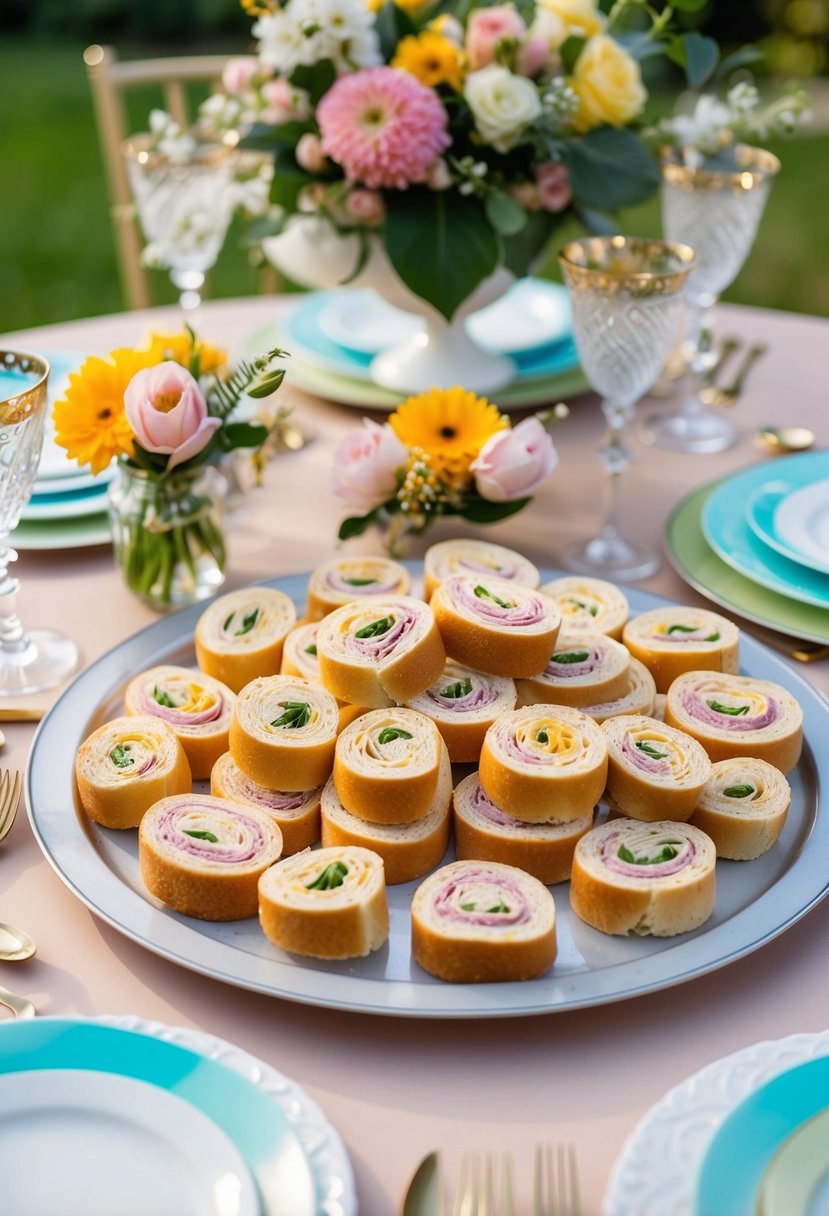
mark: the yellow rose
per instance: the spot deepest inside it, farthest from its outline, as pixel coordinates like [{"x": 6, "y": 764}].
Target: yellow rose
[
  {"x": 570, "y": 18},
  {"x": 608, "y": 84}
]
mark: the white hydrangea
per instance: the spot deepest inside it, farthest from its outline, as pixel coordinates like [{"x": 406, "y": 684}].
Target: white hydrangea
[{"x": 306, "y": 31}]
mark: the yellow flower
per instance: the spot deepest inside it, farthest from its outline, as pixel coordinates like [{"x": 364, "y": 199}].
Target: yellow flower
[
  {"x": 177, "y": 347},
  {"x": 431, "y": 58},
  {"x": 608, "y": 84},
  {"x": 450, "y": 425},
  {"x": 409, "y": 6},
  {"x": 89, "y": 420},
  {"x": 559, "y": 20}
]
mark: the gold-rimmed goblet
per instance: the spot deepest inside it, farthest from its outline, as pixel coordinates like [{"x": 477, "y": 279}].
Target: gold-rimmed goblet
[
  {"x": 185, "y": 202},
  {"x": 41, "y": 658},
  {"x": 718, "y": 212},
  {"x": 625, "y": 293}
]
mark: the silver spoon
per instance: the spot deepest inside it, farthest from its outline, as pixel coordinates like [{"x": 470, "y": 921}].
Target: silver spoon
[
  {"x": 15, "y": 945},
  {"x": 785, "y": 438}
]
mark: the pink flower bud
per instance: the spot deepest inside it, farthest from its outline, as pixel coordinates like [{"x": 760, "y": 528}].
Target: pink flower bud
[
  {"x": 367, "y": 206},
  {"x": 526, "y": 193},
  {"x": 532, "y": 57},
  {"x": 283, "y": 102},
  {"x": 438, "y": 175},
  {"x": 485, "y": 29},
  {"x": 167, "y": 412},
  {"x": 309, "y": 153},
  {"x": 513, "y": 462},
  {"x": 554, "y": 190},
  {"x": 366, "y": 464},
  {"x": 238, "y": 73}
]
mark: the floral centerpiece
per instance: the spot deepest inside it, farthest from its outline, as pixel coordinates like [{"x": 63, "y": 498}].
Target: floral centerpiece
[
  {"x": 445, "y": 452},
  {"x": 164, "y": 414}
]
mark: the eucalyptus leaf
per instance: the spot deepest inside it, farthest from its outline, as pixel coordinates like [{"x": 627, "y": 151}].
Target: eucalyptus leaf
[
  {"x": 701, "y": 58},
  {"x": 505, "y": 214},
  {"x": 611, "y": 168},
  {"x": 738, "y": 59}
]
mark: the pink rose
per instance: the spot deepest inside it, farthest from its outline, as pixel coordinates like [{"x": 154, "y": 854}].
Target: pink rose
[
  {"x": 238, "y": 73},
  {"x": 365, "y": 465},
  {"x": 553, "y": 186},
  {"x": 367, "y": 206},
  {"x": 283, "y": 102},
  {"x": 513, "y": 462},
  {"x": 167, "y": 412},
  {"x": 309, "y": 153},
  {"x": 485, "y": 29},
  {"x": 532, "y": 57}
]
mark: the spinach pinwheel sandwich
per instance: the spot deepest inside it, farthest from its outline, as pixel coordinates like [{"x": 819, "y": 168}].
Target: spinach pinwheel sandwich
[
  {"x": 203, "y": 856},
  {"x": 386, "y": 765},
  {"x": 283, "y": 731},
  {"x": 475, "y": 557},
  {"x": 125, "y": 766},
  {"x": 299, "y": 658},
  {"x": 242, "y": 634},
  {"x": 654, "y": 771},
  {"x": 296, "y": 812},
  {"x": 478, "y": 922},
  {"x": 654, "y": 879},
  {"x": 583, "y": 670},
  {"x": 496, "y": 626},
  {"x": 196, "y": 706},
  {"x": 329, "y": 903},
  {"x": 743, "y": 807},
  {"x": 589, "y": 605},
  {"x": 673, "y": 640},
  {"x": 344, "y": 579},
  {"x": 640, "y": 697},
  {"x": 463, "y": 704}
]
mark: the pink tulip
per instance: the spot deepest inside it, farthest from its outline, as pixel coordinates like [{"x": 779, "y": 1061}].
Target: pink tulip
[
  {"x": 168, "y": 413},
  {"x": 554, "y": 190},
  {"x": 486, "y": 27},
  {"x": 513, "y": 462},
  {"x": 366, "y": 464},
  {"x": 238, "y": 73}
]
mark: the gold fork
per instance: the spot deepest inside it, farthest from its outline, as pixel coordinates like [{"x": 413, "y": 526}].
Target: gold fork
[
  {"x": 9, "y": 799},
  {"x": 556, "y": 1181},
  {"x": 729, "y": 393},
  {"x": 476, "y": 1193}
]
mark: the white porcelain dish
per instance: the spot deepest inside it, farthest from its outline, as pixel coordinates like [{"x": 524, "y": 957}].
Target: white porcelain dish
[
  {"x": 755, "y": 901},
  {"x": 802, "y": 522}
]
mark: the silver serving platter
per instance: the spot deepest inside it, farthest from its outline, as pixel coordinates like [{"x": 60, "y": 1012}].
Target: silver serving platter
[{"x": 756, "y": 900}]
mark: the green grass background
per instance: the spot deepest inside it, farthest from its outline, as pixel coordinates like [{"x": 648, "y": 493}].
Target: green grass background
[{"x": 57, "y": 255}]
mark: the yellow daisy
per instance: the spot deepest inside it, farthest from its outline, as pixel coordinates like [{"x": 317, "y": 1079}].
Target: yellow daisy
[
  {"x": 450, "y": 425},
  {"x": 89, "y": 420},
  {"x": 178, "y": 347},
  {"x": 431, "y": 59}
]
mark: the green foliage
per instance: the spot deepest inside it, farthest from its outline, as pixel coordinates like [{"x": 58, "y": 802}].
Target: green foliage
[{"x": 610, "y": 168}]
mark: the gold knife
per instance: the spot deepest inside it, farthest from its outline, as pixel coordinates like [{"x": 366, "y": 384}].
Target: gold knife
[{"x": 424, "y": 1196}]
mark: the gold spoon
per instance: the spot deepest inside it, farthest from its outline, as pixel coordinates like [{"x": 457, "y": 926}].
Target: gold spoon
[
  {"x": 779, "y": 439},
  {"x": 20, "y": 1006},
  {"x": 15, "y": 945}
]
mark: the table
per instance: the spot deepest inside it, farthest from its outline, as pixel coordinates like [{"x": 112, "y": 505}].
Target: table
[{"x": 397, "y": 1088}]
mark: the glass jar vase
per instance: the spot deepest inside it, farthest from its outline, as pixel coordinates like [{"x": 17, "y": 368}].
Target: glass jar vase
[{"x": 168, "y": 533}]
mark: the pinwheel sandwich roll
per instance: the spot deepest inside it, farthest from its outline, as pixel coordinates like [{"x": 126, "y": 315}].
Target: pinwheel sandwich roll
[
  {"x": 386, "y": 765},
  {"x": 654, "y": 771},
  {"x": 655, "y": 879},
  {"x": 344, "y": 579},
  {"x": 735, "y": 716},
  {"x": 299, "y": 658},
  {"x": 125, "y": 766},
  {"x": 544, "y": 763},
  {"x": 495, "y": 626},
  {"x": 483, "y": 832},
  {"x": 203, "y": 856},
  {"x": 196, "y": 706},
  {"x": 295, "y": 813},
  {"x": 478, "y": 558},
  {"x": 241, "y": 635},
  {"x": 640, "y": 697},
  {"x": 673, "y": 640},
  {"x": 589, "y": 605},
  {"x": 326, "y": 903},
  {"x": 582, "y": 671},
  {"x": 408, "y": 850},
  {"x": 483, "y": 922},
  {"x": 743, "y": 807},
  {"x": 283, "y": 731},
  {"x": 463, "y": 704},
  {"x": 380, "y": 653}
]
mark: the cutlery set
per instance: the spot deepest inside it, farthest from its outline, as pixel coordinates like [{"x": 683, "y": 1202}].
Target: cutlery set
[
  {"x": 486, "y": 1185},
  {"x": 15, "y": 944}
]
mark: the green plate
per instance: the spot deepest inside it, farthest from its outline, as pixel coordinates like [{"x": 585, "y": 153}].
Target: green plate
[{"x": 696, "y": 562}]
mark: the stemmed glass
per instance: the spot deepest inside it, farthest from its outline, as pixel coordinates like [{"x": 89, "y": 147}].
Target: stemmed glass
[
  {"x": 717, "y": 211},
  {"x": 625, "y": 293},
  {"x": 185, "y": 203},
  {"x": 29, "y": 662}
]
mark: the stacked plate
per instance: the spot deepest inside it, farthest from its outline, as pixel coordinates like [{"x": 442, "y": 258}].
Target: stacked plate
[
  {"x": 68, "y": 505},
  {"x": 334, "y": 335},
  {"x": 747, "y": 1136},
  {"x": 758, "y": 543}
]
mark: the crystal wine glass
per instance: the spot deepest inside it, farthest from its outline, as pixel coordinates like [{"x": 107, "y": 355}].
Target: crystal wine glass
[
  {"x": 185, "y": 203},
  {"x": 717, "y": 211},
  {"x": 41, "y": 658},
  {"x": 625, "y": 293}
]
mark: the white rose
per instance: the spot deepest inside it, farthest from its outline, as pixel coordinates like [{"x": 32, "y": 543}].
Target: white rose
[{"x": 502, "y": 104}]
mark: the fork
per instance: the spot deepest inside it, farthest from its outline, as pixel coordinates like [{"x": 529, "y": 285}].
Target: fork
[
  {"x": 727, "y": 395},
  {"x": 9, "y": 799},
  {"x": 475, "y": 1195},
  {"x": 556, "y": 1182}
]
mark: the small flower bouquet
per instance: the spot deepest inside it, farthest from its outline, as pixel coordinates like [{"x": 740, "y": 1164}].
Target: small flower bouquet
[
  {"x": 445, "y": 452},
  {"x": 164, "y": 414}
]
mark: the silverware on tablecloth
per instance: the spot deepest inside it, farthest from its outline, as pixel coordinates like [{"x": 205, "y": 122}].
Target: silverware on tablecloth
[
  {"x": 21, "y": 714},
  {"x": 20, "y": 1006},
  {"x": 556, "y": 1181},
  {"x": 9, "y": 800},
  {"x": 782, "y": 439},
  {"x": 484, "y": 1187},
  {"x": 792, "y": 648},
  {"x": 424, "y": 1195},
  {"x": 729, "y": 347},
  {"x": 15, "y": 944},
  {"x": 730, "y": 393}
]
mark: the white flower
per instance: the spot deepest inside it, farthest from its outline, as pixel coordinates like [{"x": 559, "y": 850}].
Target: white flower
[
  {"x": 703, "y": 127},
  {"x": 281, "y": 41},
  {"x": 306, "y": 31},
  {"x": 502, "y": 104}
]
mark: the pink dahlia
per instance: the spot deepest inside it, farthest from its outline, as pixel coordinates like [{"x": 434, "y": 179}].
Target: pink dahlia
[{"x": 383, "y": 126}]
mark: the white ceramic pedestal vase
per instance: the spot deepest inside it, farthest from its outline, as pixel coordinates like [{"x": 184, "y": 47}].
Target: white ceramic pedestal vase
[{"x": 440, "y": 354}]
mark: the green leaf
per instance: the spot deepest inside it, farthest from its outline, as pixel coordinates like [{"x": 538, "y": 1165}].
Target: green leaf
[
  {"x": 542, "y": 737},
  {"x": 524, "y": 248},
  {"x": 120, "y": 756},
  {"x": 738, "y": 791},
  {"x": 667, "y": 853},
  {"x": 312, "y": 649},
  {"x": 461, "y": 688},
  {"x": 163, "y": 698},
  {"x": 570, "y": 50},
  {"x": 737, "y": 59},
  {"x": 733, "y": 711},
  {"x": 482, "y": 511},
  {"x": 611, "y": 168},
  {"x": 198, "y": 835},
  {"x": 389, "y": 733},
  {"x": 499, "y": 907},
  {"x": 332, "y": 876},
  {"x": 681, "y": 629},
  {"x": 356, "y": 525},
  {"x": 392, "y": 24},
  {"x": 248, "y": 623},
  {"x": 359, "y": 582},
  {"x": 482, "y": 594},
  {"x": 505, "y": 214},
  {"x": 650, "y": 750},
  {"x": 689, "y": 6},
  {"x": 640, "y": 45},
  {"x": 297, "y": 714},
  {"x": 316, "y": 78},
  {"x": 571, "y": 656},
  {"x": 287, "y": 182},
  {"x": 376, "y": 629},
  {"x": 701, "y": 58},
  {"x": 441, "y": 245},
  {"x": 244, "y": 435}
]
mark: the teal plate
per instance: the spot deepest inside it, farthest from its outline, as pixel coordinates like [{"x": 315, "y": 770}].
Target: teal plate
[
  {"x": 696, "y": 562},
  {"x": 726, "y": 528},
  {"x": 795, "y": 473}
]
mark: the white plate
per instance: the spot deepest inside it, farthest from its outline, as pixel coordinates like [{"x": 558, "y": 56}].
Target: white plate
[
  {"x": 113, "y": 1144},
  {"x": 66, "y": 505},
  {"x": 802, "y": 522},
  {"x": 754, "y": 902},
  {"x": 82, "y": 533},
  {"x": 658, "y": 1171},
  {"x": 73, "y": 483},
  {"x": 363, "y": 321}
]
